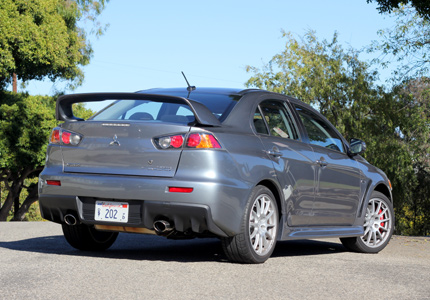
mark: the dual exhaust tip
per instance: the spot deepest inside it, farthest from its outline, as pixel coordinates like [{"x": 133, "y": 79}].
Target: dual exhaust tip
[
  {"x": 70, "y": 219},
  {"x": 160, "y": 226}
]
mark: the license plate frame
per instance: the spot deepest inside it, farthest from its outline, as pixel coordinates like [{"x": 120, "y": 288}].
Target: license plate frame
[{"x": 111, "y": 211}]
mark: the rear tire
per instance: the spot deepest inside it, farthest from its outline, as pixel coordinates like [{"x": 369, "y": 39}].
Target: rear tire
[
  {"x": 259, "y": 229},
  {"x": 87, "y": 238},
  {"x": 378, "y": 226}
]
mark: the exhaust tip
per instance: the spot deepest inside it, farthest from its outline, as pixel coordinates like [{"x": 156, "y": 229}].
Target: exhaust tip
[
  {"x": 162, "y": 226},
  {"x": 70, "y": 220}
]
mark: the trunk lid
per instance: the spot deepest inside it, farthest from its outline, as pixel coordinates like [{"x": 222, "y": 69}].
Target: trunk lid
[{"x": 121, "y": 148}]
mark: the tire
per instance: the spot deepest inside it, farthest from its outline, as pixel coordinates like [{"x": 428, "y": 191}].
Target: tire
[
  {"x": 259, "y": 229},
  {"x": 87, "y": 238},
  {"x": 378, "y": 226}
]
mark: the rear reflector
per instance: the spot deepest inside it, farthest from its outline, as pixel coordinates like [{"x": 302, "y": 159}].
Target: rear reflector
[
  {"x": 53, "y": 182},
  {"x": 174, "y": 189}
]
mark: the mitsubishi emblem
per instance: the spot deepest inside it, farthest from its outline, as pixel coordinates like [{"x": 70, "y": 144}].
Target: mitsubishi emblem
[{"x": 114, "y": 141}]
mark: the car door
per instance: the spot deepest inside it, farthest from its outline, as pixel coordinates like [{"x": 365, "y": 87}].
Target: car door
[
  {"x": 292, "y": 159},
  {"x": 338, "y": 175}
]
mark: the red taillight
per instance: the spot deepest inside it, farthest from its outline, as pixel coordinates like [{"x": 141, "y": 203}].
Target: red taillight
[
  {"x": 194, "y": 140},
  {"x": 64, "y": 137},
  {"x": 176, "y": 141},
  {"x": 175, "y": 189},
  {"x": 53, "y": 182},
  {"x": 169, "y": 142},
  {"x": 202, "y": 140}
]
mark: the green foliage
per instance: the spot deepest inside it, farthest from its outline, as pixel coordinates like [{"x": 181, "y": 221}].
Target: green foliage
[
  {"x": 25, "y": 126},
  {"x": 322, "y": 74},
  {"x": 41, "y": 38},
  {"x": 395, "y": 124},
  {"x": 407, "y": 45},
  {"x": 388, "y": 6}
]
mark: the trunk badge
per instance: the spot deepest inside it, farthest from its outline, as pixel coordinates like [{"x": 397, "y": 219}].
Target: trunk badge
[{"x": 115, "y": 141}]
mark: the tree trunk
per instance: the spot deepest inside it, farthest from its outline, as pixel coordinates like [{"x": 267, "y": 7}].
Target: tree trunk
[
  {"x": 14, "y": 190},
  {"x": 7, "y": 206},
  {"x": 14, "y": 83},
  {"x": 31, "y": 198}
]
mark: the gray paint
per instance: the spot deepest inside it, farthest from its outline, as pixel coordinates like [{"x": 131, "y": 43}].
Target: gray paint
[{"x": 315, "y": 200}]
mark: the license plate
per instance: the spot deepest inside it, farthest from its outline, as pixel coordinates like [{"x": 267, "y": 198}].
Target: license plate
[{"x": 111, "y": 211}]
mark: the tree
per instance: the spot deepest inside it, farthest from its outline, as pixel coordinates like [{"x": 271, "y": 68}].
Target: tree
[
  {"x": 407, "y": 44},
  {"x": 394, "y": 124},
  {"x": 25, "y": 126},
  {"x": 388, "y": 6},
  {"x": 41, "y": 38},
  {"x": 324, "y": 75}
]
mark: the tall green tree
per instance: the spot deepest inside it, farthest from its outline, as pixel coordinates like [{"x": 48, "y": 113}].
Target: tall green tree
[
  {"x": 405, "y": 48},
  {"x": 25, "y": 126},
  {"x": 323, "y": 74},
  {"x": 388, "y": 6},
  {"x": 394, "y": 124},
  {"x": 42, "y": 39}
]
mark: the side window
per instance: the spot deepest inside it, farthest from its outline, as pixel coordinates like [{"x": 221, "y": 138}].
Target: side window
[
  {"x": 259, "y": 124},
  {"x": 319, "y": 132},
  {"x": 278, "y": 120}
]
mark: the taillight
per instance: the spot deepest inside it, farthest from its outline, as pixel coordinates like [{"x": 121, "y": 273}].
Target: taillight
[
  {"x": 202, "y": 140},
  {"x": 65, "y": 137},
  {"x": 193, "y": 140},
  {"x": 169, "y": 142}
]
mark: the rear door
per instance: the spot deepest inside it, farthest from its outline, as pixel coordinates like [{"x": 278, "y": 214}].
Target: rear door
[
  {"x": 292, "y": 159},
  {"x": 120, "y": 140}
]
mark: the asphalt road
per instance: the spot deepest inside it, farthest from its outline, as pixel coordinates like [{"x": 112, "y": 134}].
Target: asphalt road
[{"x": 37, "y": 263}]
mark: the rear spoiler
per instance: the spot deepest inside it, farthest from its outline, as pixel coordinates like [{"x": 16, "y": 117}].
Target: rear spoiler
[{"x": 64, "y": 110}]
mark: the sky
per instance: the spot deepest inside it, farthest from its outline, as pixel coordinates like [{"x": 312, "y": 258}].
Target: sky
[{"x": 149, "y": 43}]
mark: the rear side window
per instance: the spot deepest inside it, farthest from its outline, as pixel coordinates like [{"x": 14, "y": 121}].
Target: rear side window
[
  {"x": 145, "y": 110},
  {"x": 277, "y": 119},
  {"x": 319, "y": 132}
]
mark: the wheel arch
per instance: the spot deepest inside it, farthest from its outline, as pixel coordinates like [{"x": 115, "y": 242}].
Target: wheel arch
[
  {"x": 384, "y": 189},
  {"x": 273, "y": 187}
]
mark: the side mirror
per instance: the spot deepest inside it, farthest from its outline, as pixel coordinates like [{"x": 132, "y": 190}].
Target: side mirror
[{"x": 356, "y": 147}]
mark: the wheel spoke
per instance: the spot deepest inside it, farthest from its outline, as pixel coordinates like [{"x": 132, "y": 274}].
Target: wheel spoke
[
  {"x": 263, "y": 224},
  {"x": 382, "y": 213},
  {"x": 253, "y": 233},
  {"x": 261, "y": 242},
  {"x": 379, "y": 207}
]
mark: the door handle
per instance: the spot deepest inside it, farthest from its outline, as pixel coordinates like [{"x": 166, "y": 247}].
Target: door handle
[
  {"x": 274, "y": 152},
  {"x": 322, "y": 163}
]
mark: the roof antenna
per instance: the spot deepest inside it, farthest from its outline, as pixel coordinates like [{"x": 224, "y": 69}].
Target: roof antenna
[{"x": 189, "y": 88}]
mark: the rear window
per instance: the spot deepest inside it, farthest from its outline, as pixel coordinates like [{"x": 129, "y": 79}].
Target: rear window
[
  {"x": 145, "y": 110},
  {"x": 219, "y": 103}
]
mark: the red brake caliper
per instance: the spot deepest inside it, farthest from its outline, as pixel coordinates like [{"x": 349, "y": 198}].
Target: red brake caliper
[{"x": 383, "y": 223}]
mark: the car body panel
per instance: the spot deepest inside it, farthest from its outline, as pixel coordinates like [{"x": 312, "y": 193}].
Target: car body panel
[{"x": 314, "y": 199}]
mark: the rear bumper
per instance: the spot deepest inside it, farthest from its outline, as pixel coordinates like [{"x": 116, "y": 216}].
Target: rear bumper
[
  {"x": 213, "y": 206},
  {"x": 185, "y": 216}
]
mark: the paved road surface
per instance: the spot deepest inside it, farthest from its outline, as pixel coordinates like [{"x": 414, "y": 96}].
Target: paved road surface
[{"x": 37, "y": 263}]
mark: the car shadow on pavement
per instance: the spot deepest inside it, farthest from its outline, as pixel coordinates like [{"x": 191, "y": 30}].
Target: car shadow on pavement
[{"x": 154, "y": 248}]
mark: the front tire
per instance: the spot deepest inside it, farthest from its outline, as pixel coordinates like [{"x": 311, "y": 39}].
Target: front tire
[
  {"x": 257, "y": 239},
  {"x": 87, "y": 238},
  {"x": 378, "y": 226}
]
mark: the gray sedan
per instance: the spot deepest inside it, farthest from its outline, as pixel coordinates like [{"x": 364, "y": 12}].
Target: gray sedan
[{"x": 250, "y": 167}]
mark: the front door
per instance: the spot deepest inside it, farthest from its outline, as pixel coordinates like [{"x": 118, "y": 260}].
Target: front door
[{"x": 338, "y": 176}]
